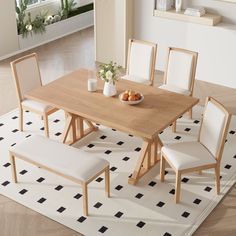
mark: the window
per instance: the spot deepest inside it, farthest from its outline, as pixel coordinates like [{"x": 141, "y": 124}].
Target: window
[{"x": 32, "y": 2}]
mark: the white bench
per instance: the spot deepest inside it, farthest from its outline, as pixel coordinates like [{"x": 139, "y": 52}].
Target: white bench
[{"x": 61, "y": 159}]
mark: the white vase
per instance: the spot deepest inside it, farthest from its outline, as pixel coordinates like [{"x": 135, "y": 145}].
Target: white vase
[
  {"x": 178, "y": 5},
  {"x": 109, "y": 89}
]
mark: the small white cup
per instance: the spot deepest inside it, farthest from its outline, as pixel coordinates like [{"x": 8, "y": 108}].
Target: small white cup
[{"x": 92, "y": 85}]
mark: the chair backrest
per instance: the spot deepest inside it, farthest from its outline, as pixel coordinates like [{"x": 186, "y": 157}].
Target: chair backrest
[
  {"x": 26, "y": 74},
  {"x": 214, "y": 127},
  {"x": 181, "y": 68},
  {"x": 141, "y": 59}
]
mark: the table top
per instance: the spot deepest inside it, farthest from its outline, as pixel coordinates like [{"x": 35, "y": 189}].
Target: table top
[{"x": 156, "y": 112}]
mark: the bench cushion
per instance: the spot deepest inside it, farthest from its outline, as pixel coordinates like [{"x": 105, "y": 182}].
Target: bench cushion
[{"x": 60, "y": 157}]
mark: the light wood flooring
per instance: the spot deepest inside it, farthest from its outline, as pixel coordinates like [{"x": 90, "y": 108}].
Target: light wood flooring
[{"x": 63, "y": 56}]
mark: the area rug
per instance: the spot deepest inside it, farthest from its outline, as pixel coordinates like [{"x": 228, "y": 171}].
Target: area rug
[{"x": 145, "y": 209}]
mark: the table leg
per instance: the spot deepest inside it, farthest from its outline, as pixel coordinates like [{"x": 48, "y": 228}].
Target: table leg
[
  {"x": 149, "y": 157},
  {"x": 74, "y": 128}
]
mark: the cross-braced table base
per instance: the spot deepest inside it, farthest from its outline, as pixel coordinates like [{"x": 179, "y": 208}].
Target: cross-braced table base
[{"x": 74, "y": 129}]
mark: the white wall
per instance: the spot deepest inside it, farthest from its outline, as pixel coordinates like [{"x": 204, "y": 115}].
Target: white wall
[
  {"x": 216, "y": 45},
  {"x": 8, "y": 30}
]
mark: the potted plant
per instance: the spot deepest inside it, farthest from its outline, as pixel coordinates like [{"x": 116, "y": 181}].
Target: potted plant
[{"x": 110, "y": 74}]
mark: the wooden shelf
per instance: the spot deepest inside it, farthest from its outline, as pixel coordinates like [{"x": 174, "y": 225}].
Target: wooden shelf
[{"x": 207, "y": 19}]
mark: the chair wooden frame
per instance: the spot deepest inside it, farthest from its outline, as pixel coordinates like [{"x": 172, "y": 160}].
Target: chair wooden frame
[
  {"x": 84, "y": 185},
  {"x": 194, "y": 67},
  {"x": 154, "y": 53},
  {"x": 218, "y": 156},
  {"x": 20, "y": 97}
]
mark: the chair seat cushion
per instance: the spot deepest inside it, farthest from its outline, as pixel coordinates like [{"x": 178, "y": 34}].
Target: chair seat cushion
[
  {"x": 175, "y": 89},
  {"x": 37, "y": 106},
  {"x": 60, "y": 157},
  {"x": 137, "y": 79},
  {"x": 187, "y": 155}
]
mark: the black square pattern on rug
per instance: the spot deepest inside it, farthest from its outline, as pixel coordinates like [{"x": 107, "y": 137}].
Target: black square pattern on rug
[
  {"x": 99, "y": 179},
  {"x": 5, "y": 183},
  {"x": 137, "y": 149},
  {"x": 14, "y": 117},
  {"x": 207, "y": 189},
  {"x": 14, "y": 130},
  {"x": 185, "y": 180},
  {"x": 61, "y": 209},
  {"x": 42, "y": 128},
  {"x": 1, "y": 138},
  {"x": 119, "y": 214},
  {"x": 140, "y": 224},
  {"x": 152, "y": 183},
  {"x": 40, "y": 180},
  {"x": 27, "y": 136},
  {"x": 234, "y": 156},
  {"x": 160, "y": 204},
  {"x": 113, "y": 129},
  {"x": 108, "y": 152},
  {"x": 58, "y": 134},
  {"x": 167, "y": 234},
  {"x": 103, "y": 137},
  {"x": 23, "y": 172},
  {"x": 187, "y": 129},
  {"x": 178, "y": 137},
  {"x": 7, "y": 164},
  {"x": 196, "y": 121},
  {"x": 118, "y": 187},
  {"x": 98, "y": 205},
  {"x": 172, "y": 191},
  {"x": 228, "y": 166},
  {"x": 81, "y": 219},
  {"x": 232, "y": 132},
  {"x": 125, "y": 158},
  {"x": 29, "y": 123},
  {"x": 166, "y": 172},
  {"x": 197, "y": 201},
  {"x": 1, "y": 124},
  {"x": 56, "y": 121},
  {"x": 120, "y": 143},
  {"x": 103, "y": 229},
  {"x": 13, "y": 144},
  {"x": 185, "y": 214},
  {"x": 90, "y": 145},
  {"x": 59, "y": 187},
  {"x": 78, "y": 196},
  {"x": 113, "y": 168},
  {"x": 23, "y": 191},
  {"x": 42, "y": 200},
  {"x": 139, "y": 195}
]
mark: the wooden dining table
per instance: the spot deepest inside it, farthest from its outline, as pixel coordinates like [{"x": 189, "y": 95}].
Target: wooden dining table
[{"x": 158, "y": 110}]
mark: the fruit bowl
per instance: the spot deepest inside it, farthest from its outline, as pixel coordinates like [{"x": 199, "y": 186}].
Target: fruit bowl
[{"x": 128, "y": 102}]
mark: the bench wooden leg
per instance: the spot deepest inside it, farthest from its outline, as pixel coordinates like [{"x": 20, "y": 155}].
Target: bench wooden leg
[
  {"x": 174, "y": 127},
  {"x": 107, "y": 181},
  {"x": 21, "y": 119},
  {"x": 46, "y": 129},
  {"x": 13, "y": 168},
  {"x": 85, "y": 198}
]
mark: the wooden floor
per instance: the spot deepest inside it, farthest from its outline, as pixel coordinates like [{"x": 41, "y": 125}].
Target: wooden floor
[{"x": 63, "y": 56}]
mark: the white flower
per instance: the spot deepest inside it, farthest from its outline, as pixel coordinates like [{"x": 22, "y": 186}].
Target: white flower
[
  {"x": 29, "y": 27},
  {"x": 49, "y": 18},
  {"x": 101, "y": 71},
  {"x": 109, "y": 75}
]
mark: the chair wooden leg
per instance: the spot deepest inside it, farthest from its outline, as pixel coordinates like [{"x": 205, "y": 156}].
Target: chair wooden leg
[
  {"x": 13, "y": 168},
  {"x": 162, "y": 169},
  {"x": 85, "y": 198},
  {"x": 217, "y": 179},
  {"x": 177, "y": 187},
  {"x": 190, "y": 113},
  {"x": 107, "y": 181},
  {"x": 21, "y": 119},
  {"x": 46, "y": 129},
  {"x": 174, "y": 127}
]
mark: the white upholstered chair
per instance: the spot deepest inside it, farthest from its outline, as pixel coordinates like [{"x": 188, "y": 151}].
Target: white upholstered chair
[
  {"x": 203, "y": 154},
  {"x": 180, "y": 73},
  {"x": 141, "y": 61},
  {"x": 27, "y": 77}
]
